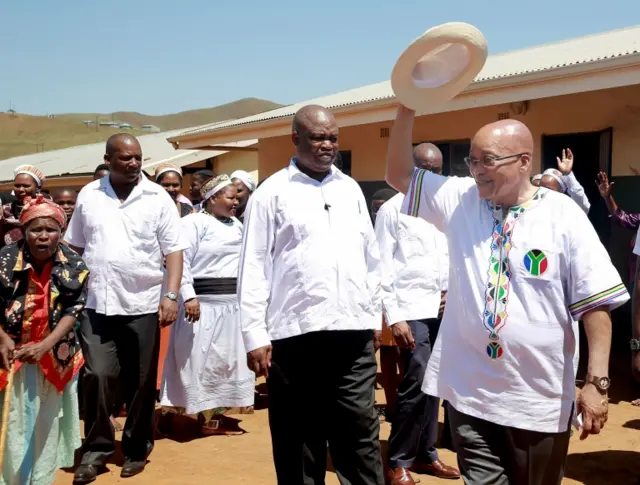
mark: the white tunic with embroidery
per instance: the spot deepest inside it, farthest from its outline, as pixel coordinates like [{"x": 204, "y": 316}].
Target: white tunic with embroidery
[
  {"x": 516, "y": 290},
  {"x": 206, "y": 365}
]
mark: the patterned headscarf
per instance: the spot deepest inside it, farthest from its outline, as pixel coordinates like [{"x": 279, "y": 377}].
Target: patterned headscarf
[
  {"x": 167, "y": 167},
  {"x": 212, "y": 186},
  {"x": 32, "y": 171},
  {"x": 41, "y": 207}
]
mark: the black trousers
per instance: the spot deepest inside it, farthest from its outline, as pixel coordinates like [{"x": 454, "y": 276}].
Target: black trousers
[
  {"x": 414, "y": 430},
  {"x": 321, "y": 390},
  {"x": 500, "y": 455},
  {"x": 121, "y": 354}
]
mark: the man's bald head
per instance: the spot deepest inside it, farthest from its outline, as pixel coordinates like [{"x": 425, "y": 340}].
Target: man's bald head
[
  {"x": 308, "y": 116},
  {"x": 428, "y": 157},
  {"x": 505, "y": 137},
  {"x": 315, "y": 135},
  {"x": 500, "y": 161},
  {"x": 115, "y": 142}
]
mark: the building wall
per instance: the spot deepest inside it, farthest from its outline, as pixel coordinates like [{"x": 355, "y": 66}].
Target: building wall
[
  {"x": 618, "y": 108},
  {"x": 237, "y": 160}
]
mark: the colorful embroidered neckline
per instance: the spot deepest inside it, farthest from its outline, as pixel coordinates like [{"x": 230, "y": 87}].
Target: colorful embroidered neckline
[{"x": 499, "y": 274}]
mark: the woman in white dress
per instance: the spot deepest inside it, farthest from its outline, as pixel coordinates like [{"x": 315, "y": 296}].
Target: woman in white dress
[{"x": 205, "y": 371}]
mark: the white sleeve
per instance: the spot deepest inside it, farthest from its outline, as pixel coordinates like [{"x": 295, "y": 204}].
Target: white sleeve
[
  {"x": 577, "y": 193},
  {"x": 434, "y": 197},
  {"x": 636, "y": 246},
  {"x": 254, "y": 274},
  {"x": 593, "y": 280},
  {"x": 192, "y": 240},
  {"x": 373, "y": 259},
  {"x": 387, "y": 235},
  {"x": 169, "y": 226},
  {"x": 74, "y": 235}
]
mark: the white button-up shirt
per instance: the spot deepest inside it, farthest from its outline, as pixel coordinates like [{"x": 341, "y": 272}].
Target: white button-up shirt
[
  {"x": 125, "y": 245},
  {"x": 309, "y": 259},
  {"x": 518, "y": 284},
  {"x": 414, "y": 263}
]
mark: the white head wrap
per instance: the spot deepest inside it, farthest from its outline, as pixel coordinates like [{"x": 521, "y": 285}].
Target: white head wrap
[
  {"x": 553, "y": 173},
  {"x": 536, "y": 177},
  {"x": 213, "y": 186},
  {"x": 246, "y": 179}
]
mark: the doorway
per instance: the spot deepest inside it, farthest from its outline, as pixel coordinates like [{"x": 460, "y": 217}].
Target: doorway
[{"x": 592, "y": 154}]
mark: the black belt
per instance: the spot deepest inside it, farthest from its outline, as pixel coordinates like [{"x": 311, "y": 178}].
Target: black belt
[{"x": 215, "y": 286}]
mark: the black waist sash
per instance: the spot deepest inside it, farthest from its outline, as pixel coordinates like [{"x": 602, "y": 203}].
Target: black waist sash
[{"x": 215, "y": 286}]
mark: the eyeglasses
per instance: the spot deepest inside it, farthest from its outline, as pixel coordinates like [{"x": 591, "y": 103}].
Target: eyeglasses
[{"x": 489, "y": 161}]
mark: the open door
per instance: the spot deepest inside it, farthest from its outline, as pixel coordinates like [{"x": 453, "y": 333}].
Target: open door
[{"x": 592, "y": 154}]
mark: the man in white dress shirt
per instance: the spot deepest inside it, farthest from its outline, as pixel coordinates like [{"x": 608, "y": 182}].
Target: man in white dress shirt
[
  {"x": 125, "y": 226},
  {"x": 527, "y": 265},
  {"x": 414, "y": 265},
  {"x": 309, "y": 301}
]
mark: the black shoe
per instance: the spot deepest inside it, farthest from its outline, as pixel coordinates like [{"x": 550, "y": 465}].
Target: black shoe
[
  {"x": 132, "y": 468},
  {"x": 85, "y": 474}
]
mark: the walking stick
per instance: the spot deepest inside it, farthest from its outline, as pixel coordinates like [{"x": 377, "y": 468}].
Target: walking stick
[{"x": 6, "y": 405}]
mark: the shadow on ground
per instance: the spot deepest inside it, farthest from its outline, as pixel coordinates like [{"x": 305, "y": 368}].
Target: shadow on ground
[{"x": 615, "y": 467}]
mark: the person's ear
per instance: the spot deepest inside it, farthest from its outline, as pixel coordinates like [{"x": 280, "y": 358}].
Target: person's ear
[
  {"x": 295, "y": 138},
  {"x": 525, "y": 162}
]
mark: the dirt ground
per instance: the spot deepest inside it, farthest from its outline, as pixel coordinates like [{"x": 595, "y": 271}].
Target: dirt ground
[{"x": 612, "y": 458}]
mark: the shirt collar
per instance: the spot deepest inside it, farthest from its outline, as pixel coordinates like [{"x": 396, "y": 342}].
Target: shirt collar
[
  {"x": 294, "y": 171},
  {"x": 23, "y": 262},
  {"x": 144, "y": 186}
]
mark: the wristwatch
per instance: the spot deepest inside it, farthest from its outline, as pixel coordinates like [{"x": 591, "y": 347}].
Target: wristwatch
[
  {"x": 602, "y": 383},
  {"x": 635, "y": 344},
  {"x": 171, "y": 295}
]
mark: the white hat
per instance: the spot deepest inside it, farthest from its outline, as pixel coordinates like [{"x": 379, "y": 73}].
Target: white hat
[{"x": 438, "y": 65}]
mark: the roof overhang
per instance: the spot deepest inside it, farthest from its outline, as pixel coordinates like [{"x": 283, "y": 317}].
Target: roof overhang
[{"x": 592, "y": 76}]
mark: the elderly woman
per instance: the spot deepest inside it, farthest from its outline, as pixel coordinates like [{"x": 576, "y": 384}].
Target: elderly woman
[
  {"x": 169, "y": 176},
  {"x": 205, "y": 371},
  {"x": 42, "y": 293},
  {"x": 27, "y": 182},
  {"x": 246, "y": 186}
]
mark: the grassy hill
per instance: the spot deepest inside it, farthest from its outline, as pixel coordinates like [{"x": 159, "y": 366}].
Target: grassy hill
[
  {"x": 185, "y": 119},
  {"x": 24, "y": 134}
]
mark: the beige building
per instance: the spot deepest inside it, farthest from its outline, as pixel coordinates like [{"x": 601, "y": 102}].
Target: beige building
[{"x": 582, "y": 93}]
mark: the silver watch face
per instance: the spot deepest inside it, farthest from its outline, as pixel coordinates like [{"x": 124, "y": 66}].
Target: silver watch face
[
  {"x": 604, "y": 383},
  {"x": 635, "y": 344},
  {"x": 171, "y": 296}
]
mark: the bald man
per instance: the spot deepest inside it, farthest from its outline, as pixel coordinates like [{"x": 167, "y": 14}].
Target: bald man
[
  {"x": 528, "y": 265},
  {"x": 308, "y": 286},
  {"x": 125, "y": 226},
  {"x": 415, "y": 270}
]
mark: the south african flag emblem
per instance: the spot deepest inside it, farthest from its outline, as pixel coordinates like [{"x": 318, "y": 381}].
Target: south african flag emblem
[
  {"x": 535, "y": 262},
  {"x": 494, "y": 350}
]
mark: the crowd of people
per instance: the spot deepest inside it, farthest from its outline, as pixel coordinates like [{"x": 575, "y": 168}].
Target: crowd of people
[{"x": 471, "y": 287}]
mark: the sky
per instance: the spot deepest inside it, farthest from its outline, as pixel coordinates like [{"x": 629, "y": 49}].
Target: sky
[{"x": 164, "y": 56}]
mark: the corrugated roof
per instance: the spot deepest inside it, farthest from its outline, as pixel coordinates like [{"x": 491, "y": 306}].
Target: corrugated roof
[
  {"x": 548, "y": 57},
  {"x": 83, "y": 159}
]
